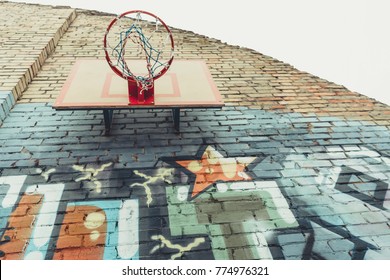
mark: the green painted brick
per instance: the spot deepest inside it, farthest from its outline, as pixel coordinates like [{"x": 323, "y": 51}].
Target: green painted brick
[
  {"x": 218, "y": 242},
  {"x": 193, "y": 230},
  {"x": 221, "y": 254}
]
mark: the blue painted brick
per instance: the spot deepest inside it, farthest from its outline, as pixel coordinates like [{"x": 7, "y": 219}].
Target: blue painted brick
[
  {"x": 5, "y": 105},
  {"x": 2, "y": 113},
  {"x": 291, "y": 238},
  {"x": 8, "y": 96}
]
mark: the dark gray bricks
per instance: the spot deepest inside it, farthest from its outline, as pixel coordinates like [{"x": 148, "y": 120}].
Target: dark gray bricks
[{"x": 316, "y": 167}]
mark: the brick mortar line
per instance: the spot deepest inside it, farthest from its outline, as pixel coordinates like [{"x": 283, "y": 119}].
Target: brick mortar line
[{"x": 49, "y": 49}]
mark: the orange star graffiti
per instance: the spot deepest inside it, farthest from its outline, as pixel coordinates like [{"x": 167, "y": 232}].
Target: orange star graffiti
[{"x": 214, "y": 167}]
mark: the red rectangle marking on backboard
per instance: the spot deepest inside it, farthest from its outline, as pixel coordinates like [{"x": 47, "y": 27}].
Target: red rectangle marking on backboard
[{"x": 106, "y": 93}]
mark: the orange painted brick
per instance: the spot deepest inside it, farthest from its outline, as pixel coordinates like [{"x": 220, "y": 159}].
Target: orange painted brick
[
  {"x": 14, "y": 247},
  {"x": 79, "y": 254},
  {"x": 21, "y": 210},
  {"x": 69, "y": 241}
]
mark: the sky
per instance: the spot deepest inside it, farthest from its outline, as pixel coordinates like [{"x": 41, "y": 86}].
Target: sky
[{"x": 343, "y": 41}]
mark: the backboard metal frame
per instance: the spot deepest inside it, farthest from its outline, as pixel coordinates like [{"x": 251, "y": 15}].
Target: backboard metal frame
[{"x": 92, "y": 85}]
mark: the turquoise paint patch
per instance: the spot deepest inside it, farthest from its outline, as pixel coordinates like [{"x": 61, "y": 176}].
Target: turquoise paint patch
[
  {"x": 4, "y": 212},
  {"x": 7, "y": 101}
]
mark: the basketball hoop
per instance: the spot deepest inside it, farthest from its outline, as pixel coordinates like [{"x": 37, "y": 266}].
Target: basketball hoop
[{"x": 134, "y": 35}]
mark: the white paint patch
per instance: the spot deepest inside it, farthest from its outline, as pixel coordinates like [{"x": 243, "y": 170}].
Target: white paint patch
[
  {"x": 386, "y": 202},
  {"x": 182, "y": 193},
  {"x": 243, "y": 186},
  {"x": 287, "y": 215},
  {"x": 45, "y": 223},
  {"x": 94, "y": 220},
  {"x": 222, "y": 187},
  {"x": 16, "y": 184},
  {"x": 266, "y": 184},
  {"x": 35, "y": 255},
  {"x": 243, "y": 175},
  {"x": 262, "y": 249},
  {"x": 282, "y": 206},
  {"x": 128, "y": 239},
  {"x": 94, "y": 235}
]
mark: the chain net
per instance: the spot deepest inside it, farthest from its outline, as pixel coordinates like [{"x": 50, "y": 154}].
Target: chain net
[{"x": 141, "y": 37}]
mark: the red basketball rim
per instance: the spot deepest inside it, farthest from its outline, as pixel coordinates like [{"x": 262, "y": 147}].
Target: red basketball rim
[{"x": 118, "y": 71}]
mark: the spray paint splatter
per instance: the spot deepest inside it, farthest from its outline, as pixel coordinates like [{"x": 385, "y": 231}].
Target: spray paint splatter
[
  {"x": 46, "y": 174},
  {"x": 90, "y": 174},
  {"x": 150, "y": 180},
  {"x": 167, "y": 243}
]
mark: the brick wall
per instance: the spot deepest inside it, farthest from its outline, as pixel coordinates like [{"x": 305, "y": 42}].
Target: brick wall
[
  {"x": 244, "y": 77},
  {"x": 28, "y": 35}
]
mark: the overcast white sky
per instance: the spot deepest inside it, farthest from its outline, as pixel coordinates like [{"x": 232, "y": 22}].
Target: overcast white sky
[{"x": 343, "y": 41}]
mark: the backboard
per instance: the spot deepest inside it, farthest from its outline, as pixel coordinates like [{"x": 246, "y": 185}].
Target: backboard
[{"x": 93, "y": 85}]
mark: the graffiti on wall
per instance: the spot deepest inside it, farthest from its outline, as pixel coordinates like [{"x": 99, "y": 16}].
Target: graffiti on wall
[{"x": 203, "y": 206}]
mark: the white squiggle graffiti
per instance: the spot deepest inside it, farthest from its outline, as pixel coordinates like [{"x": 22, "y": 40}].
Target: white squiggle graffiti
[
  {"x": 91, "y": 173},
  {"x": 181, "y": 249},
  {"x": 151, "y": 180},
  {"x": 46, "y": 174}
]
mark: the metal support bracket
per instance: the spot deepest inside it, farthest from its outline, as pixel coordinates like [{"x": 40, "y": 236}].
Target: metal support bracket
[
  {"x": 108, "y": 116},
  {"x": 176, "y": 118}
]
